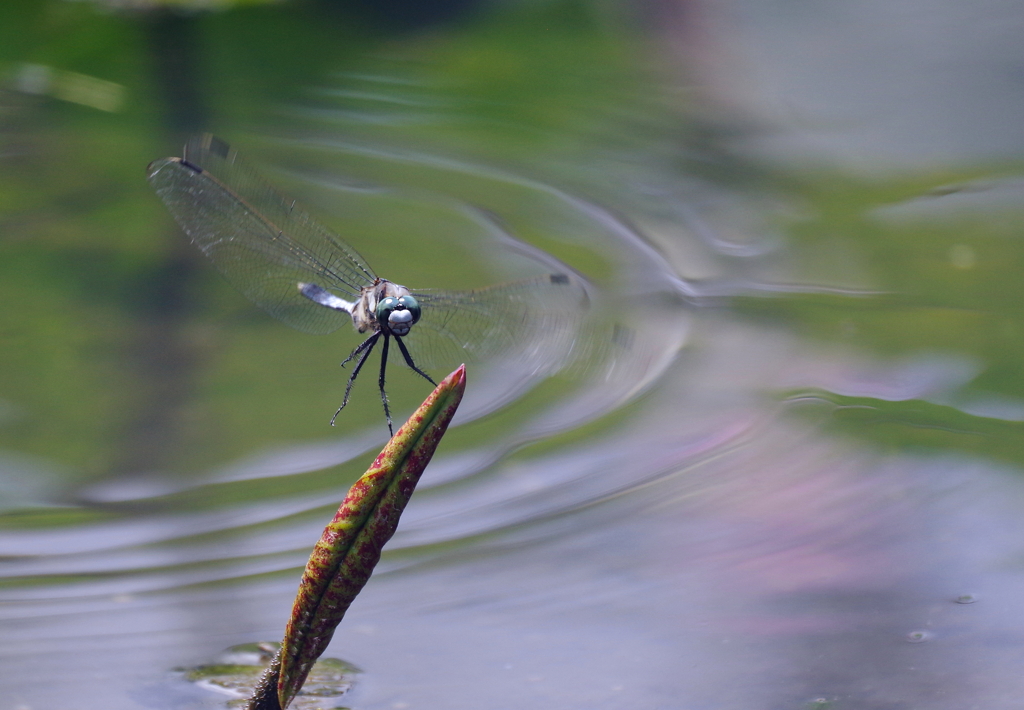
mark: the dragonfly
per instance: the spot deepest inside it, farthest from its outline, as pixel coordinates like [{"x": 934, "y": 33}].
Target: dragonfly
[{"x": 285, "y": 261}]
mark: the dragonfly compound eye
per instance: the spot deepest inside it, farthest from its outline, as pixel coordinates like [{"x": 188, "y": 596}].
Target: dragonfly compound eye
[
  {"x": 385, "y": 307},
  {"x": 412, "y": 305}
]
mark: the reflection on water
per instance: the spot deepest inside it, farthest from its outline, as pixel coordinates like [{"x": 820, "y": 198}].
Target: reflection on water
[{"x": 771, "y": 468}]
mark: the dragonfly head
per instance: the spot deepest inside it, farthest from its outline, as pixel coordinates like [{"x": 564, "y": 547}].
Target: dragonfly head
[{"x": 400, "y": 314}]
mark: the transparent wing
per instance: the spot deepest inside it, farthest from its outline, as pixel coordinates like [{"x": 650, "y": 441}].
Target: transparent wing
[
  {"x": 536, "y": 320},
  {"x": 258, "y": 238}
]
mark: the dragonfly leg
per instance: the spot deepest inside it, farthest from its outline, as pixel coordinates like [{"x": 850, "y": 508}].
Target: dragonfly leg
[
  {"x": 366, "y": 347},
  {"x": 368, "y": 343},
  {"x": 410, "y": 363},
  {"x": 383, "y": 370}
]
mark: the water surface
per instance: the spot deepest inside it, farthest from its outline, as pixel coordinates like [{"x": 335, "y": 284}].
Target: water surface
[{"x": 778, "y": 467}]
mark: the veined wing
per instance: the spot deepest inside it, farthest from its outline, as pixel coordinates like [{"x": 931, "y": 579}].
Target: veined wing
[
  {"x": 259, "y": 239},
  {"x": 535, "y": 320}
]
